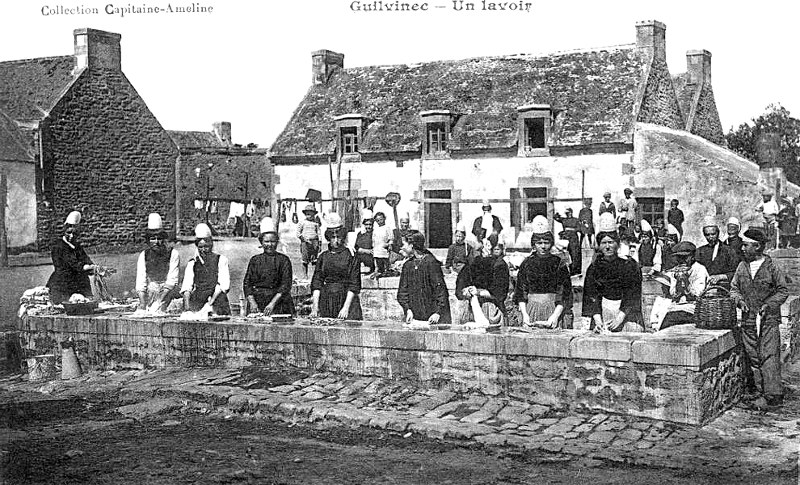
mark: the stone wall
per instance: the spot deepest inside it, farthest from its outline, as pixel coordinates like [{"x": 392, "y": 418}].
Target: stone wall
[
  {"x": 681, "y": 374},
  {"x": 788, "y": 260},
  {"x": 699, "y": 176},
  {"x": 106, "y": 155}
]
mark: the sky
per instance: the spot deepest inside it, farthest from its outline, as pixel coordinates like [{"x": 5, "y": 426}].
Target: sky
[{"x": 249, "y": 62}]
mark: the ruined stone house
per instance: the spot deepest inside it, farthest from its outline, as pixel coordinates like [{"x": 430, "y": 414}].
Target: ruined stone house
[
  {"x": 532, "y": 134},
  {"x": 215, "y": 173},
  {"x": 75, "y": 135}
]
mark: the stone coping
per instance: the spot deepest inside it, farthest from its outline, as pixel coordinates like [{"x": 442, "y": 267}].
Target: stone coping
[{"x": 684, "y": 346}]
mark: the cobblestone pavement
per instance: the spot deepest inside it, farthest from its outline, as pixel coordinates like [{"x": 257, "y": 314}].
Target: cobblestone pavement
[{"x": 739, "y": 444}]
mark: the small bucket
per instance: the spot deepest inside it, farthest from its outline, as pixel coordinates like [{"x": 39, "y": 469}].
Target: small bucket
[{"x": 41, "y": 368}]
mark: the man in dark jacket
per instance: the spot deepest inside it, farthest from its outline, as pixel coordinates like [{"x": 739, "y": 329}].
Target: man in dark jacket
[
  {"x": 719, "y": 259},
  {"x": 759, "y": 289}
]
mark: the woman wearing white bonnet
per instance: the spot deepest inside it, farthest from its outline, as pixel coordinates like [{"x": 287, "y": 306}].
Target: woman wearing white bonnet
[
  {"x": 207, "y": 278},
  {"x": 71, "y": 265}
]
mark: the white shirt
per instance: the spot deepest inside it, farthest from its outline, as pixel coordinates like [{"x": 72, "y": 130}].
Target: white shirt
[
  {"x": 381, "y": 237},
  {"x": 487, "y": 223},
  {"x": 172, "y": 275},
  {"x": 754, "y": 265},
  {"x": 223, "y": 275}
]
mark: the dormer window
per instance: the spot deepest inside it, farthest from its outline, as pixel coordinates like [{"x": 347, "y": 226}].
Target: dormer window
[
  {"x": 436, "y": 133},
  {"x": 350, "y": 133},
  {"x": 437, "y": 137},
  {"x": 534, "y": 129}
]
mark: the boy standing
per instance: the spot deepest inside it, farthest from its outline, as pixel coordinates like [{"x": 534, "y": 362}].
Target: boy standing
[
  {"x": 675, "y": 216},
  {"x": 308, "y": 233},
  {"x": 759, "y": 289}
]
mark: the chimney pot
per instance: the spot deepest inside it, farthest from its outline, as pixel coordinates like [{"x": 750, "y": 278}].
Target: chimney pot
[
  {"x": 323, "y": 65},
  {"x": 97, "y": 49},
  {"x": 698, "y": 65},
  {"x": 651, "y": 37},
  {"x": 223, "y": 131}
]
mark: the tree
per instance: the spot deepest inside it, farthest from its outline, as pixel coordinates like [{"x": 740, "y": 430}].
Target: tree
[{"x": 775, "y": 119}]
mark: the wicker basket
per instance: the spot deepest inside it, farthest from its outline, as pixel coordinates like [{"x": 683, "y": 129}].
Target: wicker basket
[{"x": 715, "y": 312}]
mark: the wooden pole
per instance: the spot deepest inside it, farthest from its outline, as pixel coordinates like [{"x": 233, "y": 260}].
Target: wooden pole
[{"x": 3, "y": 232}]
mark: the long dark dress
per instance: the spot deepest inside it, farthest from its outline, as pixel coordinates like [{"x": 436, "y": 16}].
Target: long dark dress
[
  {"x": 542, "y": 275},
  {"x": 422, "y": 289},
  {"x": 68, "y": 274},
  {"x": 486, "y": 273},
  {"x": 336, "y": 273},
  {"x": 617, "y": 279},
  {"x": 206, "y": 276},
  {"x": 364, "y": 241},
  {"x": 267, "y": 275}
]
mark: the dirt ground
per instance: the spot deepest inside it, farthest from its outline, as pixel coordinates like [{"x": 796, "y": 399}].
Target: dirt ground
[{"x": 84, "y": 440}]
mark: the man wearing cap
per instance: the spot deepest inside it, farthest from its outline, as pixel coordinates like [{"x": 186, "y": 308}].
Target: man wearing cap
[
  {"x": 627, "y": 210},
  {"x": 363, "y": 244},
  {"x": 688, "y": 280},
  {"x": 487, "y": 225},
  {"x": 719, "y": 259},
  {"x": 759, "y": 289},
  {"x": 459, "y": 253},
  {"x": 267, "y": 283},
  {"x": 157, "y": 268},
  {"x": 607, "y": 206},
  {"x": 308, "y": 233},
  {"x": 207, "y": 279},
  {"x": 71, "y": 265},
  {"x": 734, "y": 241}
]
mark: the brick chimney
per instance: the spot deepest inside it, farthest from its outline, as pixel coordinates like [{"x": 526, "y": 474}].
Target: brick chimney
[
  {"x": 651, "y": 37},
  {"x": 698, "y": 65},
  {"x": 223, "y": 131},
  {"x": 97, "y": 49},
  {"x": 323, "y": 65}
]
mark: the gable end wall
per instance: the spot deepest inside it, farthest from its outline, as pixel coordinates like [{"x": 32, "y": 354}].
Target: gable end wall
[{"x": 106, "y": 155}]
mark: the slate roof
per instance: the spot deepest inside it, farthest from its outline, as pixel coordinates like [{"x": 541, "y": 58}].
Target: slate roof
[
  {"x": 195, "y": 139},
  {"x": 14, "y": 144},
  {"x": 30, "y": 88},
  {"x": 596, "y": 89}
]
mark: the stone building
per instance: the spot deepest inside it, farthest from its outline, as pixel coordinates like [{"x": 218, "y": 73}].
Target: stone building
[
  {"x": 75, "y": 135},
  {"x": 217, "y": 180},
  {"x": 532, "y": 134}
]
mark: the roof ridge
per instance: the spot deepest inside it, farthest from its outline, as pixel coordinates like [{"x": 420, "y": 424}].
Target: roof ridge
[
  {"x": 522, "y": 55},
  {"x": 23, "y": 61}
]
